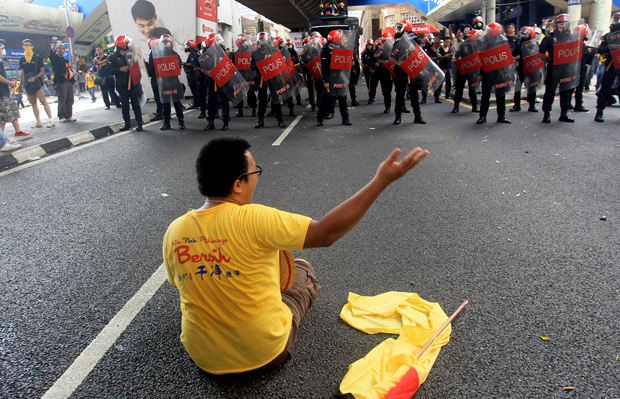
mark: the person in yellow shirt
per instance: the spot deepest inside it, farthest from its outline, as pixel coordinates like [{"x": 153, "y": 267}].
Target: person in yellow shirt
[
  {"x": 224, "y": 260},
  {"x": 90, "y": 84}
]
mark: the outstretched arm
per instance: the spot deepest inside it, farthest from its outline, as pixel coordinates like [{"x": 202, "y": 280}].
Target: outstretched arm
[{"x": 340, "y": 220}]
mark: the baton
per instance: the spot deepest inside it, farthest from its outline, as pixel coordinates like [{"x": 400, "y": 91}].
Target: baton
[{"x": 443, "y": 327}]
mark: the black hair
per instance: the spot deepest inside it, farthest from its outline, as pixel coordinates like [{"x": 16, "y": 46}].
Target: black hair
[
  {"x": 220, "y": 163},
  {"x": 158, "y": 32},
  {"x": 143, "y": 9}
]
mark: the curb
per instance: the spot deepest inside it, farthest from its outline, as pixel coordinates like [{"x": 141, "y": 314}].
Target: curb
[{"x": 35, "y": 152}]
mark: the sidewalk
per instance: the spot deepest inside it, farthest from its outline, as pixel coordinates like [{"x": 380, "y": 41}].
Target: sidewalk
[{"x": 93, "y": 122}]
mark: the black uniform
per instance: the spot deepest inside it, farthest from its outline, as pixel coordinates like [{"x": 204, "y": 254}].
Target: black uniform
[
  {"x": 190, "y": 73},
  {"x": 368, "y": 61},
  {"x": 201, "y": 88},
  {"x": 546, "y": 46},
  {"x": 402, "y": 82},
  {"x": 276, "y": 107},
  {"x": 432, "y": 54},
  {"x": 100, "y": 66},
  {"x": 328, "y": 98},
  {"x": 165, "y": 106},
  {"x": 215, "y": 97},
  {"x": 586, "y": 60},
  {"x": 159, "y": 108},
  {"x": 608, "y": 78},
  {"x": 355, "y": 74},
  {"x": 531, "y": 97},
  {"x": 127, "y": 93}
]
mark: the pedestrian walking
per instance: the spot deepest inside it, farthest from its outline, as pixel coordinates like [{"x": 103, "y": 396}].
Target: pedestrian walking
[
  {"x": 32, "y": 72},
  {"x": 9, "y": 112},
  {"x": 90, "y": 84}
]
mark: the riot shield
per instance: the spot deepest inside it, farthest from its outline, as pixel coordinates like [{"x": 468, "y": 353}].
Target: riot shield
[
  {"x": 289, "y": 72},
  {"x": 243, "y": 62},
  {"x": 417, "y": 64},
  {"x": 567, "y": 52},
  {"x": 340, "y": 64},
  {"x": 613, "y": 41},
  {"x": 497, "y": 62},
  {"x": 270, "y": 62},
  {"x": 222, "y": 70},
  {"x": 382, "y": 56},
  {"x": 532, "y": 65},
  {"x": 468, "y": 59},
  {"x": 311, "y": 58},
  {"x": 135, "y": 75},
  {"x": 167, "y": 71}
]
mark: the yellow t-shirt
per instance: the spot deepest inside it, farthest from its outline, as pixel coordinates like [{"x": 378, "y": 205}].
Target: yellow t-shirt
[
  {"x": 90, "y": 81},
  {"x": 224, "y": 262}
]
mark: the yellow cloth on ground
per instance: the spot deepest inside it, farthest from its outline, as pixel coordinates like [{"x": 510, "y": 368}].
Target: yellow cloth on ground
[{"x": 415, "y": 319}]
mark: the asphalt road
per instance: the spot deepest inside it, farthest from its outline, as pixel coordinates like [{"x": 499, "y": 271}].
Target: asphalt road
[{"x": 522, "y": 220}]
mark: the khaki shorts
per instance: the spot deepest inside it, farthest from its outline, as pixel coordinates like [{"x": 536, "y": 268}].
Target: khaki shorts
[
  {"x": 299, "y": 299},
  {"x": 40, "y": 94},
  {"x": 8, "y": 110}
]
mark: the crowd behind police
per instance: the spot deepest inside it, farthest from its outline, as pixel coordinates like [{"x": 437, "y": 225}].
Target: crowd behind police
[{"x": 111, "y": 73}]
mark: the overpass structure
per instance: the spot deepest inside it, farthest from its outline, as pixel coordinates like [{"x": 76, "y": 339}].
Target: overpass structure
[{"x": 90, "y": 20}]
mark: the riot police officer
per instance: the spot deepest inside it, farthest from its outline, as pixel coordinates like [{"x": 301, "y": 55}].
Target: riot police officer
[
  {"x": 119, "y": 67},
  {"x": 189, "y": 67},
  {"x": 606, "y": 47},
  {"x": 402, "y": 80}
]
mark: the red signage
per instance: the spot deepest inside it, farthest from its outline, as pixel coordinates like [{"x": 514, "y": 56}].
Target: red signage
[
  {"x": 496, "y": 58},
  {"x": 341, "y": 59},
  {"x": 469, "y": 64},
  {"x": 567, "y": 53},
  {"x": 614, "y": 38},
  {"x": 134, "y": 72},
  {"x": 414, "y": 64},
  {"x": 271, "y": 67},
  {"x": 167, "y": 66},
  {"x": 314, "y": 67},
  {"x": 390, "y": 67},
  {"x": 207, "y": 9},
  {"x": 532, "y": 63},
  {"x": 223, "y": 71},
  {"x": 243, "y": 61}
]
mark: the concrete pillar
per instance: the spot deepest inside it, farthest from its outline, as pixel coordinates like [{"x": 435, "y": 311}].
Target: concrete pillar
[
  {"x": 574, "y": 12},
  {"x": 602, "y": 15},
  {"x": 490, "y": 12}
]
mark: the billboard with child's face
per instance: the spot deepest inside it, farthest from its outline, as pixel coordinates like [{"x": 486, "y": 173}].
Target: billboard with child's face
[{"x": 143, "y": 19}]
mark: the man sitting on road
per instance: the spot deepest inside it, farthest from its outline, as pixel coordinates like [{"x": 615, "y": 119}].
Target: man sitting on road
[{"x": 224, "y": 260}]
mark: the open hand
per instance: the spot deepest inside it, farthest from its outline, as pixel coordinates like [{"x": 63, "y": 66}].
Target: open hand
[{"x": 390, "y": 170}]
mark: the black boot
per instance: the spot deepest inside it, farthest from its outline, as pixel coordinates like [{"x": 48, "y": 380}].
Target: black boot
[
  {"x": 354, "y": 102},
  {"x": 319, "y": 122},
  {"x": 291, "y": 112},
  {"x": 281, "y": 122},
  {"x": 125, "y": 127},
  {"x": 239, "y": 113},
  {"x": 397, "y": 119},
  {"x": 517, "y": 106},
  {"x": 547, "y": 117},
  {"x": 165, "y": 125},
  {"x": 225, "y": 126},
  {"x": 202, "y": 115},
  {"x": 532, "y": 108},
  {"x": 260, "y": 123},
  {"x": 599, "y": 116},
  {"x": 503, "y": 119},
  {"x": 405, "y": 110},
  {"x": 181, "y": 124},
  {"x": 565, "y": 118},
  {"x": 346, "y": 122},
  {"x": 418, "y": 118},
  {"x": 312, "y": 108},
  {"x": 580, "y": 108},
  {"x": 157, "y": 117},
  {"x": 329, "y": 116},
  {"x": 139, "y": 127},
  {"x": 254, "y": 112},
  {"x": 455, "y": 110},
  {"x": 387, "y": 109},
  {"x": 481, "y": 120},
  {"x": 210, "y": 126},
  {"x": 474, "y": 108},
  {"x": 370, "y": 101}
]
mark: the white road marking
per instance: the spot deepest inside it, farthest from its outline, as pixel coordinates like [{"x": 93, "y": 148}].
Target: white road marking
[
  {"x": 88, "y": 359},
  {"x": 287, "y": 131}
]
